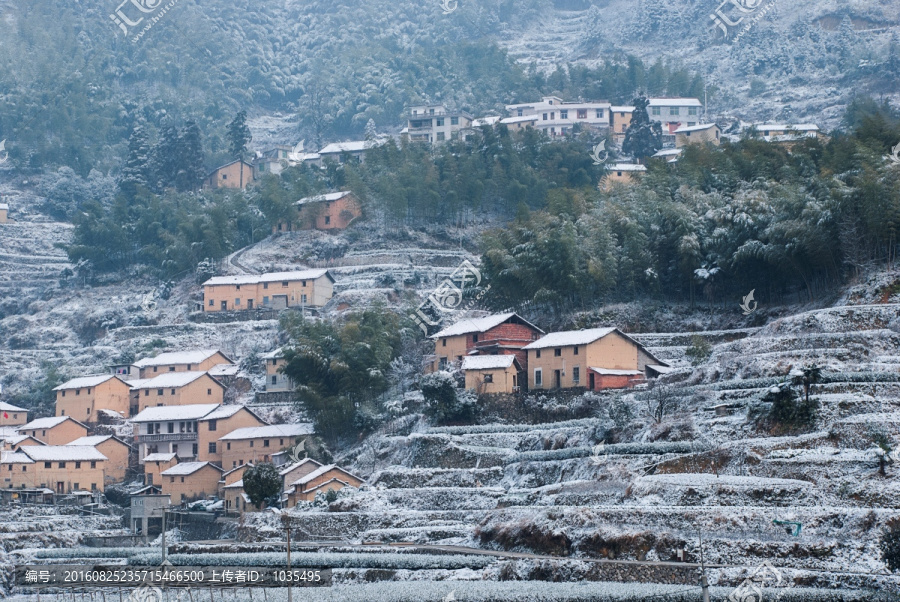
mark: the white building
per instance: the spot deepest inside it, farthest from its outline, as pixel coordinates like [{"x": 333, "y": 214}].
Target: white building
[
  {"x": 170, "y": 429},
  {"x": 434, "y": 123},
  {"x": 556, "y": 117},
  {"x": 674, "y": 113}
]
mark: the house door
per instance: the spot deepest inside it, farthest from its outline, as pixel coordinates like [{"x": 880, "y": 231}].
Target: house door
[
  {"x": 60, "y": 487},
  {"x": 249, "y": 303},
  {"x": 224, "y": 305},
  {"x": 591, "y": 381},
  {"x": 279, "y": 301},
  {"x": 557, "y": 378}
]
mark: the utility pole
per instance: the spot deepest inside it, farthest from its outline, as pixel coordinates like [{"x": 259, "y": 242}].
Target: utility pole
[
  {"x": 287, "y": 527},
  {"x": 704, "y": 583},
  {"x": 163, "y": 534}
]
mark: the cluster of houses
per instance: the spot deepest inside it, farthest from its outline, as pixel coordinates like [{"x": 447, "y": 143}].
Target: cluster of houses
[
  {"x": 505, "y": 353},
  {"x": 186, "y": 443}
]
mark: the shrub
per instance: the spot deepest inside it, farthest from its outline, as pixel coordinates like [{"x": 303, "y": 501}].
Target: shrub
[
  {"x": 890, "y": 546},
  {"x": 262, "y": 483},
  {"x": 699, "y": 351},
  {"x": 788, "y": 410},
  {"x": 444, "y": 403}
]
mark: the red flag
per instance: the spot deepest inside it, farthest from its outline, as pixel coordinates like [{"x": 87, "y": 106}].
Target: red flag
[{"x": 5, "y": 415}]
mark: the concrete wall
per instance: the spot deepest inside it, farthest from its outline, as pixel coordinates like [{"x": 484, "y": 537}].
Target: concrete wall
[
  {"x": 82, "y": 404},
  {"x": 242, "y": 419},
  {"x": 187, "y": 488}
]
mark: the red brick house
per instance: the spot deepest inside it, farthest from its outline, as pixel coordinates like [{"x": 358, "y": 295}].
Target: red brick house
[
  {"x": 332, "y": 211},
  {"x": 501, "y": 334}
]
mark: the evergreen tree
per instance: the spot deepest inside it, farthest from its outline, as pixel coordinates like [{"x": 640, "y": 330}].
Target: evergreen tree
[
  {"x": 137, "y": 169},
  {"x": 371, "y": 134},
  {"x": 239, "y": 136},
  {"x": 190, "y": 172},
  {"x": 643, "y": 137},
  {"x": 262, "y": 483},
  {"x": 846, "y": 40},
  {"x": 165, "y": 159}
]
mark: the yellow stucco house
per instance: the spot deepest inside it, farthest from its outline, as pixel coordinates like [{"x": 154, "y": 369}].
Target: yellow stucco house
[
  {"x": 81, "y": 398},
  {"x": 488, "y": 374},
  {"x": 698, "y": 134},
  {"x": 196, "y": 360},
  {"x": 11, "y": 415},
  {"x": 176, "y": 389},
  {"x": 278, "y": 290},
  {"x": 191, "y": 481},
  {"x": 57, "y": 430}
]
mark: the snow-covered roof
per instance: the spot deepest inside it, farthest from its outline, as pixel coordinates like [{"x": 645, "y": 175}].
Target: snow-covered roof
[
  {"x": 168, "y": 380},
  {"x": 225, "y": 411},
  {"x": 158, "y": 457},
  {"x": 669, "y": 152},
  {"x": 62, "y": 453},
  {"x": 520, "y": 119},
  {"x": 296, "y": 465},
  {"x": 239, "y": 484},
  {"x": 85, "y": 382},
  {"x": 626, "y": 167},
  {"x": 489, "y": 120},
  {"x": 278, "y": 353},
  {"x": 610, "y": 372},
  {"x": 170, "y": 358},
  {"x": 4, "y": 206},
  {"x": 8, "y": 407},
  {"x": 470, "y": 325},
  {"x": 273, "y": 277},
  {"x": 660, "y": 369},
  {"x": 797, "y": 127},
  {"x": 8, "y": 457},
  {"x": 354, "y": 146},
  {"x": 675, "y": 102},
  {"x": 272, "y": 430},
  {"x": 570, "y": 337},
  {"x": 46, "y": 423},
  {"x": 186, "y": 468},
  {"x": 319, "y": 472},
  {"x": 94, "y": 440},
  {"x": 136, "y": 383},
  {"x": 188, "y": 412},
  {"x": 695, "y": 128},
  {"x": 487, "y": 362},
  {"x": 224, "y": 370},
  {"x": 322, "y": 198},
  {"x": 621, "y": 109},
  {"x": 17, "y": 439}
]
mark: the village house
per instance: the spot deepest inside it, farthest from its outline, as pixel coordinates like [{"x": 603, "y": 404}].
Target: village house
[
  {"x": 237, "y": 174},
  {"x": 294, "y": 471},
  {"x": 231, "y": 489},
  {"x": 332, "y": 211},
  {"x": 789, "y": 134},
  {"x": 81, "y": 398},
  {"x": 355, "y": 151},
  {"x": 669, "y": 155},
  {"x": 191, "y": 481},
  {"x": 11, "y": 415},
  {"x": 147, "y": 506},
  {"x": 559, "y": 118},
  {"x": 274, "y": 160},
  {"x": 63, "y": 468},
  {"x": 515, "y": 124},
  {"x": 197, "y": 360},
  {"x": 279, "y": 290},
  {"x": 4, "y": 213},
  {"x": 57, "y": 430},
  {"x": 620, "y": 121},
  {"x": 12, "y": 442},
  {"x": 599, "y": 358},
  {"x": 489, "y": 374},
  {"x": 155, "y": 465},
  {"x": 221, "y": 421},
  {"x": 170, "y": 429},
  {"x": 177, "y": 389},
  {"x": 276, "y": 380},
  {"x": 435, "y": 124},
  {"x": 672, "y": 113},
  {"x": 322, "y": 480},
  {"x": 500, "y": 334},
  {"x": 117, "y": 452},
  {"x": 621, "y": 173},
  {"x": 16, "y": 470},
  {"x": 697, "y": 134},
  {"x": 258, "y": 444}
]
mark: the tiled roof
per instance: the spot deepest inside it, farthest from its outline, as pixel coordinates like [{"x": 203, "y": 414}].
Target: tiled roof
[
  {"x": 163, "y": 413},
  {"x": 85, "y": 382},
  {"x": 46, "y": 423},
  {"x": 272, "y": 277},
  {"x": 487, "y": 362},
  {"x": 168, "y": 380},
  {"x": 62, "y": 453},
  {"x": 272, "y": 430},
  {"x": 94, "y": 440},
  {"x": 186, "y": 468},
  {"x": 570, "y": 337},
  {"x": 195, "y": 356},
  {"x": 8, "y": 407},
  {"x": 158, "y": 457},
  {"x": 321, "y": 198},
  {"x": 470, "y": 325}
]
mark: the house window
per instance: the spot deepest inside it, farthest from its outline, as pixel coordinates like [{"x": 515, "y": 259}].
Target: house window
[
  {"x": 303, "y": 298},
  {"x": 171, "y": 479},
  {"x": 537, "y": 353},
  {"x": 171, "y": 368},
  {"x": 182, "y": 479},
  {"x": 159, "y": 391},
  {"x": 224, "y": 176},
  {"x": 284, "y": 285},
  {"x": 274, "y": 380},
  {"x": 440, "y": 122},
  {"x": 655, "y": 110},
  {"x": 265, "y": 300},
  {"x": 673, "y": 111},
  {"x": 564, "y": 114},
  {"x": 48, "y": 465},
  {"x": 209, "y": 391},
  {"x": 77, "y": 391},
  {"x": 251, "y": 443},
  {"x": 575, "y": 350},
  {"x": 171, "y": 427},
  {"x": 237, "y": 286},
  {"x": 93, "y": 486},
  {"x": 146, "y": 392},
  {"x": 441, "y": 136},
  {"x": 619, "y": 173},
  {"x": 194, "y": 449},
  {"x": 228, "y": 445},
  {"x": 265, "y": 443},
  {"x": 237, "y": 302},
  {"x": 518, "y": 112},
  {"x": 552, "y": 114},
  {"x": 93, "y": 465},
  {"x": 171, "y": 391},
  {"x": 474, "y": 338},
  {"x": 576, "y": 374},
  {"x": 75, "y": 486},
  {"x": 77, "y": 464},
  {"x": 488, "y": 378},
  {"x": 557, "y": 352},
  {"x": 328, "y": 217},
  {"x": 63, "y": 393},
  {"x": 538, "y": 377},
  {"x": 212, "y": 302},
  {"x": 692, "y": 110},
  {"x": 265, "y": 285},
  {"x": 62, "y": 464},
  {"x": 212, "y": 447},
  {"x": 545, "y": 117},
  {"x": 600, "y": 113},
  {"x": 443, "y": 342},
  {"x": 454, "y": 121},
  {"x": 281, "y": 442},
  {"x": 212, "y": 425},
  {"x": 582, "y": 114}
]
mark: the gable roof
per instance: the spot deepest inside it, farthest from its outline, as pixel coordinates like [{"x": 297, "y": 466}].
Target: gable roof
[
  {"x": 296, "y": 465},
  {"x": 8, "y": 407},
  {"x": 86, "y": 381},
  {"x": 186, "y": 412},
  {"x": 224, "y": 370},
  {"x": 160, "y": 457},
  {"x": 271, "y": 277},
  {"x": 487, "y": 362},
  {"x": 321, "y": 198},
  {"x": 62, "y": 453},
  {"x": 612, "y": 372},
  {"x": 227, "y": 164},
  {"x": 17, "y": 439},
  {"x": 10, "y": 457},
  {"x": 353, "y": 146},
  {"x": 172, "y": 380},
  {"x": 47, "y": 423},
  {"x": 471, "y": 325},
  {"x": 570, "y": 337},
  {"x": 695, "y": 128},
  {"x": 675, "y": 102},
  {"x": 797, "y": 127},
  {"x": 186, "y": 468},
  {"x": 272, "y": 430},
  {"x": 169, "y": 358},
  {"x": 239, "y": 484},
  {"x": 95, "y": 440},
  {"x": 625, "y": 167},
  {"x": 319, "y": 472},
  {"x": 4, "y": 206}
]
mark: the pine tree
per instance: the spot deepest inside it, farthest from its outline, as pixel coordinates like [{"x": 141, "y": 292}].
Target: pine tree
[
  {"x": 643, "y": 137},
  {"x": 239, "y": 136},
  {"x": 137, "y": 169},
  {"x": 846, "y": 40},
  {"x": 190, "y": 158},
  {"x": 371, "y": 134},
  {"x": 165, "y": 159}
]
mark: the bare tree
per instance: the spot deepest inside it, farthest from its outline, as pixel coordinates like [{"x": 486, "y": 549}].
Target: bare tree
[{"x": 661, "y": 401}]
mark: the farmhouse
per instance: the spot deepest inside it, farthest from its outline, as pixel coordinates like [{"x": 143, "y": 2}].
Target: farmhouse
[
  {"x": 237, "y": 174},
  {"x": 191, "y": 481},
  {"x": 620, "y": 121},
  {"x": 116, "y": 451},
  {"x": 789, "y": 134},
  {"x": 80, "y": 398},
  {"x": 355, "y": 150},
  {"x": 279, "y": 290},
  {"x": 11, "y": 415},
  {"x": 322, "y": 480},
  {"x": 487, "y": 374},
  {"x": 276, "y": 380},
  {"x": 621, "y": 173},
  {"x": 155, "y": 464},
  {"x": 332, "y": 211},
  {"x": 64, "y": 468},
  {"x": 435, "y": 124},
  {"x": 221, "y": 421},
  {"x": 231, "y": 489},
  {"x": 260, "y": 443},
  {"x": 54, "y": 431},
  {"x": 697, "y": 134},
  {"x": 598, "y": 358},
  {"x": 15, "y": 441},
  {"x": 500, "y": 334},
  {"x": 176, "y": 389},
  {"x": 170, "y": 429},
  {"x": 556, "y": 117},
  {"x": 672, "y": 113},
  {"x": 198, "y": 360}
]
